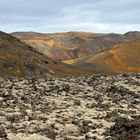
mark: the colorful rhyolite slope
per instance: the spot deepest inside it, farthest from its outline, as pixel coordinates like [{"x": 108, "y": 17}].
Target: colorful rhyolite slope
[
  {"x": 88, "y": 52},
  {"x": 72, "y": 45},
  {"x": 124, "y": 57},
  {"x": 20, "y": 60}
]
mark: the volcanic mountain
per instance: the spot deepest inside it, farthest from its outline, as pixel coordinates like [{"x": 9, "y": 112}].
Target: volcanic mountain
[
  {"x": 72, "y": 45},
  {"x": 124, "y": 57},
  {"x": 20, "y": 60}
]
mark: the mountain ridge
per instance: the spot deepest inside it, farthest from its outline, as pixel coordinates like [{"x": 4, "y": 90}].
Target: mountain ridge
[{"x": 72, "y": 45}]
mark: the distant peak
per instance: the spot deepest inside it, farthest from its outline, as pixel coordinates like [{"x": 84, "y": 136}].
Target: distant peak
[{"x": 132, "y": 32}]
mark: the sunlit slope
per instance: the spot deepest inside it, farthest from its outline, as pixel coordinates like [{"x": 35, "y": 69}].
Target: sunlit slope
[{"x": 124, "y": 57}]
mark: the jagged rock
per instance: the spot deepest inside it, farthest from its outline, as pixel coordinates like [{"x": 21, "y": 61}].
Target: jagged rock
[
  {"x": 77, "y": 102},
  {"x": 70, "y": 108},
  {"x": 125, "y": 129},
  {"x": 3, "y": 134},
  {"x": 71, "y": 129}
]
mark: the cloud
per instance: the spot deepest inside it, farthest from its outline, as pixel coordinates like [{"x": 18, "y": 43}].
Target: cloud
[{"x": 76, "y": 15}]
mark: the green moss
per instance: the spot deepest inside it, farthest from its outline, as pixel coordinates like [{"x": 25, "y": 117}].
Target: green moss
[
  {"x": 19, "y": 75},
  {"x": 15, "y": 70}
]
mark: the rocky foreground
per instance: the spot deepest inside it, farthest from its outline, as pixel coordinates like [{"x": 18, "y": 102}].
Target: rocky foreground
[{"x": 82, "y": 108}]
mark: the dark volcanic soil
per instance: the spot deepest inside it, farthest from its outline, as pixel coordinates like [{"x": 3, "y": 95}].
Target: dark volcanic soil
[{"x": 82, "y": 108}]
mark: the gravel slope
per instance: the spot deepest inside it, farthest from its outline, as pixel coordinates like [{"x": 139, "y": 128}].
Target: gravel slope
[{"x": 82, "y": 108}]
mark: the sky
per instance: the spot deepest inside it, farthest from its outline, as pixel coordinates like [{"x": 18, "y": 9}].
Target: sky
[{"x": 113, "y": 16}]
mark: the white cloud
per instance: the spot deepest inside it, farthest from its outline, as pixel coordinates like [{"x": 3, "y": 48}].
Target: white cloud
[{"x": 76, "y": 15}]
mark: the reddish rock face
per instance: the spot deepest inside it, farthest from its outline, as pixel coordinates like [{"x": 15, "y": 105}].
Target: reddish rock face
[{"x": 72, "y": 45}]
